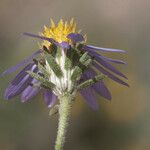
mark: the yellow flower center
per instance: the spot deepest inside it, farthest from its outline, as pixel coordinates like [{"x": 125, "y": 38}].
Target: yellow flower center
[{"x": 59, "y": 32}]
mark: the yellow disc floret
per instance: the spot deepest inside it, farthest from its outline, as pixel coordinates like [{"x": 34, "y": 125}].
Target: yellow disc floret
[{"x": 59, "y": 32}]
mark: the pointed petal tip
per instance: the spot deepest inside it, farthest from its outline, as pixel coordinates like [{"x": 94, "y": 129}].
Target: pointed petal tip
[
  {"x": 7, "y": 94},
  {"x": 49, "y": 98},
  {"x": 89, "y": 96},
  {"x": 31, "y": 35},
  {"x": 125, "y": 77},
  {"x": 109, "y": 98},
  {"x": 2, "y": 74},
  {"x": 24, "y": 33},
  {"x": 23, "y": 99},
  {"x": 104, "y": 49},
  {"x": 28, "y": 34},
  {"x": 49, "y": 106},
  {"x": 6, "y": 97}
]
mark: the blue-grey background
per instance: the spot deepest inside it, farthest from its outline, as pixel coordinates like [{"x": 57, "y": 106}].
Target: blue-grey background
[{"x": 123, "y": 123}]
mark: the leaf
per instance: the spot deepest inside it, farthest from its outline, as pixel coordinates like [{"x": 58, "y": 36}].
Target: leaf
[
  {"x": 84, "y": 57},
  {"x": 74, "y": 55},
  {"x": 41, "y": 79},
  {"x": 91, "y": 81},
  {"x": 54, "y": 66},
  {"x": 43, "y": 70},
  {"x": 76, "y": 74},
  {"x": 68, "y": 63},
  {"x": 84, "y": 61},
  {"x": 58, "y": 52},
  {"x": 54, "y": 110}
]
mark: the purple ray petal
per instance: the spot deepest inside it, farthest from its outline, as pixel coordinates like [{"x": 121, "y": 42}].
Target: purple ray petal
[
  {"x": 99, "y": 87},
  {"x": 40, "y": 37},
  {"x": 30, "y": 92},
  {"x": 64, "y": 45},
  {"x": 25, "y": 61},
  {"x": 14, "y": 90},
  {"x": 89, "y": 97},
  {"x": 95, "y": 54},
  {"x": 88, "y": 74},
  {"x": 75, "y": 37},
  {"x": 49, "y": 98},
  {"x": 18, "y": 86},
  {"x": 90, "y": 47},
  {"x": 23, "y": 73},
  {"x": 104, "y": 63},
  {"x": 109, "y": 66},
  {"x": 114, "y": 60},
  {"x": 101, "y": 69}
]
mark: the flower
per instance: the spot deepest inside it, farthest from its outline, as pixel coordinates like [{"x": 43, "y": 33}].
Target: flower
[
  {"x": 59, "y": 33},
  {"x": 66, "y": 64}
]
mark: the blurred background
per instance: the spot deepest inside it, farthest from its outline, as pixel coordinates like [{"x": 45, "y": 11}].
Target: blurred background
[{"x": 123, "y": 123}]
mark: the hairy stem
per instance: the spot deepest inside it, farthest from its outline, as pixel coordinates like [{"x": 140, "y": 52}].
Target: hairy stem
[{"x": 64, "y": 113}]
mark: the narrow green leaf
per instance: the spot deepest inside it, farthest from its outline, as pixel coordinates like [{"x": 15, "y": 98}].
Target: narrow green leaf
[
  {"x": 43, "y": 70},
  {"x": 58, "y": 52},
  {"x": 41, "y": 79},
  {"x": 74, "y": 55},
  {"x": 54, "y": 110},
  {"x": 53, "y": 49},
  {"x": 84, "y": 57},
  {"x": 91, "y": 81},
  {"x": 68, "y": 63},
  {"x": 87, "y": 62},
  {"x": 83, "y": 63},
  {"x": 76, "y": 74},
  {"x": 54, "y": 66},
  {"x": 84, "y": 60}
]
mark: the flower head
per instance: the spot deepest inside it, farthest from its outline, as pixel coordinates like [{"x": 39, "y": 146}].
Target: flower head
[
  {"x": 66, "y": 65},
  {"x": 59, "y": 32}
]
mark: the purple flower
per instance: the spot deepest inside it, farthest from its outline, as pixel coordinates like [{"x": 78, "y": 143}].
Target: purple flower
[
  {"x": 23, "y": 83},
  {"x": 78, "y": 63}
]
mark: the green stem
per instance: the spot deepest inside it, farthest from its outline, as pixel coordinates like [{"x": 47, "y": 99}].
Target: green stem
[{"x": 64, "y": 113}]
